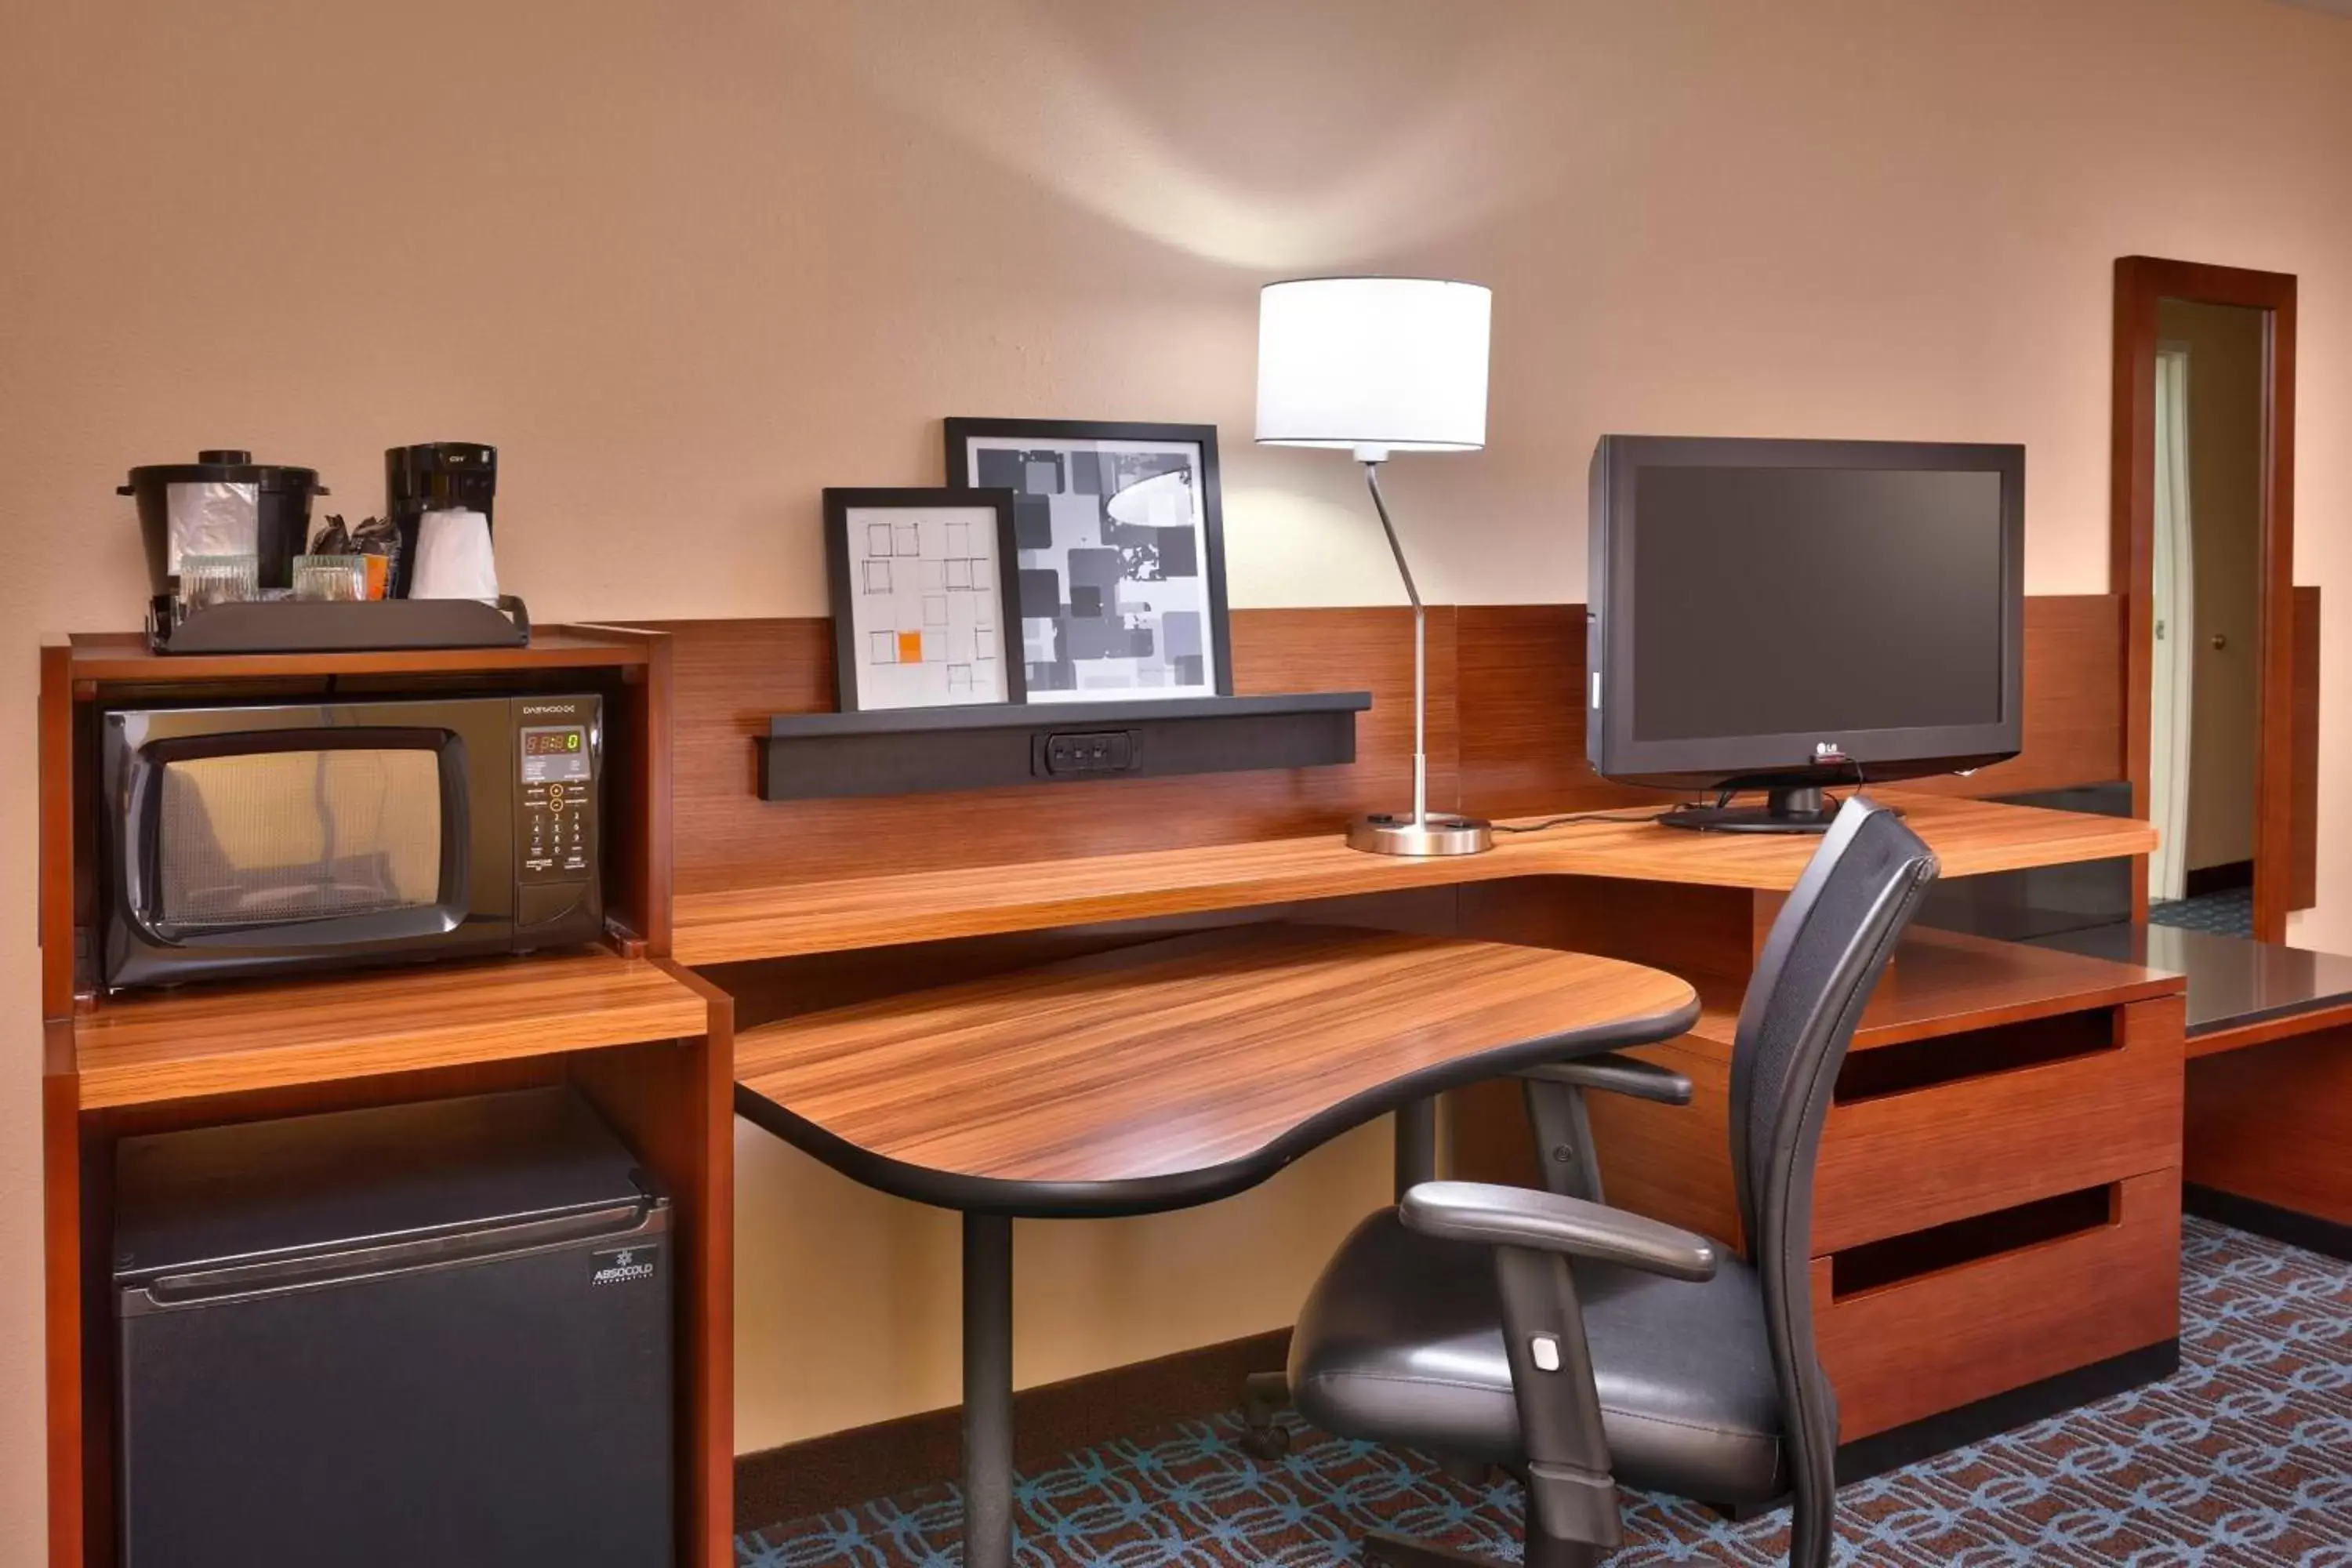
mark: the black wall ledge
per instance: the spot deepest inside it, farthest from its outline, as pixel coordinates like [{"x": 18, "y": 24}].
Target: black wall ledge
[{"x": 917, "y": 751}]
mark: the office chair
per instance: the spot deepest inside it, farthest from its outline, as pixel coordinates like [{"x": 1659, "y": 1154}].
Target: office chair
[{"x": 1579, "y": 1346}]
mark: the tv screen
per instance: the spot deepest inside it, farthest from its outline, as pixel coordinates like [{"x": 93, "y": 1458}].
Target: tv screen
[{"x": 1757, "y": 604}]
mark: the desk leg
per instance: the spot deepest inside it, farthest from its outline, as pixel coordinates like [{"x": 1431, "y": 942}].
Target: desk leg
[
  {"x": 987, "y": 1391},
  {"x": 1417, "y": 1144}
]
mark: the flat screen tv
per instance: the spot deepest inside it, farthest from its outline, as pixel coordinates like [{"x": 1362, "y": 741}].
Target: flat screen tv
[{"x": 1788, "y": 615}]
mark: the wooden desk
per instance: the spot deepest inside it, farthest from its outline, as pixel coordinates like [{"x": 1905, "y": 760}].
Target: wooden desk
[
  {"x": 2240, "y": 992},
  {"x": 1970, "y": 837},
  {"x": 848, "y": 896},
  {"x": 1153, "y": 1077}
]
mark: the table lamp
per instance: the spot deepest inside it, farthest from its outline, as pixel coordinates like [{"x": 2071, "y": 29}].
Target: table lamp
[{"x": 1376, "y": 366}]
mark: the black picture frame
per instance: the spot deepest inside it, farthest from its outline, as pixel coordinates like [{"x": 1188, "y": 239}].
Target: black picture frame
[
  {"x": 960, "y": 434},
  {"x": 852, "y": 695}
]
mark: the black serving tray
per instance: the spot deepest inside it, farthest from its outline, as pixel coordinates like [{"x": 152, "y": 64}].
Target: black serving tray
[
  {"x": 329, "y": 625},
  {"x": 915, "y": 751}
]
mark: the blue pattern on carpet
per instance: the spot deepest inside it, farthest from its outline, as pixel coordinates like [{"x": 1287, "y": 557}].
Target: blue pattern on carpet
[
  {"x": 2230, "y": 912},
  {"x": 2242, "y": 1460}
]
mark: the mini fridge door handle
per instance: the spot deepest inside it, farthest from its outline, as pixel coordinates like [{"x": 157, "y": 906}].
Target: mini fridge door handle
[{"x": 278, "y": 1276}]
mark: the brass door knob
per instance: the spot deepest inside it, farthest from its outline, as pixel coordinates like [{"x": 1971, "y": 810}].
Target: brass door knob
[{"x": 2220, "y": 641}]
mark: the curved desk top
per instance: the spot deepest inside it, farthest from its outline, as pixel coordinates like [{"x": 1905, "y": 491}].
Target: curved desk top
[{"x": 1174, "y": 1072}]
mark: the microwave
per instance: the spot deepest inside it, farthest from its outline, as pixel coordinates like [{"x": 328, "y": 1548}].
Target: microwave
[{"x": 263, "y": 839}]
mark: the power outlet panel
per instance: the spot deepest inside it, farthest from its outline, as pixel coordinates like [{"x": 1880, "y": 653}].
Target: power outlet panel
[{"x": 1089, "y": 753}]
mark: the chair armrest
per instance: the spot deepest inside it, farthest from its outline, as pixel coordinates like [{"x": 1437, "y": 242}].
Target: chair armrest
[
  {"x": 1616, "y": 1075},
  {"x": 1521, "y": 1216}
]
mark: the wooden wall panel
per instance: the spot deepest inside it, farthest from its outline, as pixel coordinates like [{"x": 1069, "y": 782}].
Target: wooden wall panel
[
  {"x": 1522, "y": 677},
  {"x": 2073, "y": 700},
  {"x": 1693, "y": 930},
  {"x": 731, "y": 676},
  {"x": 1511, "y": 744},
  {"x": 1523, "y": 699},
  {"x": 2303, "y": 788}
]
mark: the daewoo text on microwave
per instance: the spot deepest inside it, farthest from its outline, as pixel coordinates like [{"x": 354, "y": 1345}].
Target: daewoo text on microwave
[{"x": 252, "y": 840}]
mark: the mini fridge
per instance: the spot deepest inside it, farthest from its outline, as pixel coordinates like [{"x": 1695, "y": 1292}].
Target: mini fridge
[{"x": 436, "y": 1333}]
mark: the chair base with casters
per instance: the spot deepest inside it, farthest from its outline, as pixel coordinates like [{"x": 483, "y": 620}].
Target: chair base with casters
[
  {"x": 1581, "y": 1346},
  {"x": 1264, "y": 1394}
]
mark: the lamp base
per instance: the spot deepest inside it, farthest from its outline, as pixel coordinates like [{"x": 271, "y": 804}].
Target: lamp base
[{"x": 1439, "y": 833}]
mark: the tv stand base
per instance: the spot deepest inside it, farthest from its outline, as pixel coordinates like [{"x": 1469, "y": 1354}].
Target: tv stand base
[{"x": 1783, "y": 811}]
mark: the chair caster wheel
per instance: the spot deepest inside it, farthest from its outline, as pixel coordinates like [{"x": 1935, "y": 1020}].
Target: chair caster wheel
[{"x": 1270, "y": 1443}]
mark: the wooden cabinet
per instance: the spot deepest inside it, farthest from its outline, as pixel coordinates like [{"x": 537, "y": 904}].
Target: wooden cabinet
[
  {"x": 649, "y": 1045},
  {"x": 1998, "y": 1197},
  {"x": 1987, "y": 1137},
  {"x": 2004, "y": 1305}
]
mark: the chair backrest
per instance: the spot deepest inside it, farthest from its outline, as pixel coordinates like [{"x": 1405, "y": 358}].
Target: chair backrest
[{"x": 1824, "y": 953}]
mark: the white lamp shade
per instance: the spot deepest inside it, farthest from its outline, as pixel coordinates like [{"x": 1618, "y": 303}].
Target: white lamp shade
[{"x": 1376, "y": 363}]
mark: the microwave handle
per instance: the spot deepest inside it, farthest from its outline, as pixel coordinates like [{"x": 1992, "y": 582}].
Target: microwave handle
[{"x": 139, "y": 781}]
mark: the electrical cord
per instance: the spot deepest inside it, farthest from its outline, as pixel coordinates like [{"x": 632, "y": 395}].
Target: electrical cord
[
  {"x": 1722, "y": 798},
  {"x": 1581, "y": 816}
]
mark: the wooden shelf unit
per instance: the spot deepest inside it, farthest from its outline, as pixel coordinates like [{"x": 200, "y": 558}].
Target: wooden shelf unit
[
  {"x": 630, "y": 669},
  {"x": 670, "y": 1098},
  {"x": 1968, "y": 837},
  {"x": 236, "y": 1039},
  {"x": 649, "y": 1043}
]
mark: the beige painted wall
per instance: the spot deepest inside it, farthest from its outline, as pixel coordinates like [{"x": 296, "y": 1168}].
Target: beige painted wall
[
  {"x": 686, "y": 263},
  {"x": 2225, "y": 491}
]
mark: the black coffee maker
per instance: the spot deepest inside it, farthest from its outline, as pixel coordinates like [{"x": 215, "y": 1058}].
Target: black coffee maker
[{"x": 435, "y": 476}]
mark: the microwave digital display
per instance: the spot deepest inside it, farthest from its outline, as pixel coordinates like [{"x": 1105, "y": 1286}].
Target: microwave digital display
[{"x": 555, "y": 754}]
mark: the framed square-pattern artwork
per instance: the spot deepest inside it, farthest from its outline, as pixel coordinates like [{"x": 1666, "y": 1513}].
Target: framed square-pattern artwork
[
  {"x": 1121, "y": 554},
  {"x": 922, "y": 597}
]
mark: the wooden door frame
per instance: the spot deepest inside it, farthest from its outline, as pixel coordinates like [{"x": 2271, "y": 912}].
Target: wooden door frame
[{"x": 2141, "y": 282}]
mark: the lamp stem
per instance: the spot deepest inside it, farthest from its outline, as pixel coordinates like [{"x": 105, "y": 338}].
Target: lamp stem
[{"x": 1420, "y": 650}]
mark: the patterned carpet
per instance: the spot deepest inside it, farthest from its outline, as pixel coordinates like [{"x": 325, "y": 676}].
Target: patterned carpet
[
  {"x": 2244, "y": 1460},
  {"x": 2230, "y": 912}
]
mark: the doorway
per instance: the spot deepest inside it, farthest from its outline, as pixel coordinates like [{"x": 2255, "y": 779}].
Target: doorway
[{"x": 2203, "y": 551}]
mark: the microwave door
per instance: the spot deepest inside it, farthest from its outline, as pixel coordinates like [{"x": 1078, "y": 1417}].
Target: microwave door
[
  {"x": 264, "y": 837},
  {"x": 299, "y": 838}
]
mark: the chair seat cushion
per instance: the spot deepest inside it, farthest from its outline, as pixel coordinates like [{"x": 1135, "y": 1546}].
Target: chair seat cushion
[{"x": 1400, "y": 1342}]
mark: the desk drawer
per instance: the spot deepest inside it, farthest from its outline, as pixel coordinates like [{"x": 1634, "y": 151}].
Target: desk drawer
[
  {"x": 1967, "y": 1141},
  {"x": 1932, "y": 1341}
]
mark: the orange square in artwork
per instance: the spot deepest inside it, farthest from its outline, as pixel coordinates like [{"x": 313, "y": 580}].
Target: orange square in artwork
[{"x": 911, "y": 648}]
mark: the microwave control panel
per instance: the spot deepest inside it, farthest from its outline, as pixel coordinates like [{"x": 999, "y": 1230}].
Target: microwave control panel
[{"x": 556, "y": 750}]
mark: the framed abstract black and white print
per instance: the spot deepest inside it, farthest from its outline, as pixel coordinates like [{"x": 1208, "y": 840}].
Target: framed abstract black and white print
[
  {"x": 1121, "y": 554},
  {"x": 922, "y": 597}
]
